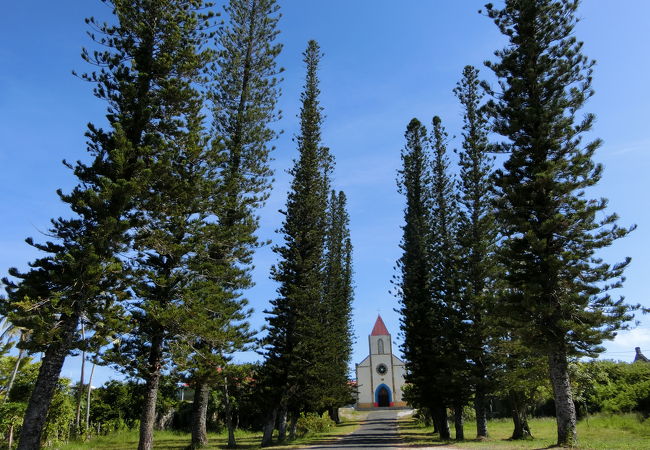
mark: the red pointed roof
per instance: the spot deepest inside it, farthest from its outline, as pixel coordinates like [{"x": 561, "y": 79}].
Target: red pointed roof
[{"x": 380, "y": 328}]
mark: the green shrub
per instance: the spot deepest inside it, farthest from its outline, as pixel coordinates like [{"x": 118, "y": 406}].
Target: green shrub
[
  {"x": 312, "y": 423},
  {"x": 60, "y": 416},
  {"x": 423, "y": 417},
  {"x": 11, "y": 415}
]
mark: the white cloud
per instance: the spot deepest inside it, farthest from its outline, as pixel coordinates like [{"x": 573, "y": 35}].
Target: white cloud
[
  {"x": 622, "y": 347},
  {"x": 637, "y": 337}
]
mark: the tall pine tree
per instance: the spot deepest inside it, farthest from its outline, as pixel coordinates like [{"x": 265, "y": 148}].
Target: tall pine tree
[
  {"x": 243, "y": 95},
  {"x": 558, "y": 287},
  {"x": 169, "y": 209},
  {"x": 413, "y": 281},
  {"x": 294, "y": 343},
  {"x": 429, "y": 282},
  {"x": 451, "y": 371},
  {"x": 82, "y": 277},
  {"x": 337, "y": 307},
  {"x": 476, "y": 239}
]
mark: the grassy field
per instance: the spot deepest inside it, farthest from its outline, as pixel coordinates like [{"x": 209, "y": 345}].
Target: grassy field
[
  {"x": 169, "y": 440},
  {"x": 597, "y": 432}
]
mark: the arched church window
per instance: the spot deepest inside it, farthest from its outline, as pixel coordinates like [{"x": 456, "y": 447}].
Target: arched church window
[{"x": 380, "y": 346}]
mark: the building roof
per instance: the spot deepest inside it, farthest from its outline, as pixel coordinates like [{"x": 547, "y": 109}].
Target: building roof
[{"x": 380, "y": 328}]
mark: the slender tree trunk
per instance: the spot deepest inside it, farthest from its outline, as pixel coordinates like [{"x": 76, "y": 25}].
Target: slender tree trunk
[
  {"x": 90, "y": 386},
  {"x": 565, "y": 410},
  {"x": 333, "y": 412},
  {"x": 440, "y": 418},
  {"x": 14, "y": 372},
  {"x": 80, "y": 393},
  {"x": 459, "y": 423},
  {"x": 231, "y": 430},
  {"x": 148, "y": 416},
  {"x": 293, "y": 424},
  {"x": 519, "y": 417},
  {"x": 480, "y": 408},
  {"x": 11, "y": 436},
  {"x": 430, "y": 419},
  {"x": 269, "y": 426},
  {"x": 282, "y": 424},
  {"x": 46, "y": 382},
  {"x": 199, "y": 414}
]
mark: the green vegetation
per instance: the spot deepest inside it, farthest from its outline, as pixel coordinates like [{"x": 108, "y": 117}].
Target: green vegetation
[
  {"x": 500, "y": 281},
  {"x": 601, "y": 431},
  {"x": 501, "y": 278},
  {"x": 557, "y": 287}
]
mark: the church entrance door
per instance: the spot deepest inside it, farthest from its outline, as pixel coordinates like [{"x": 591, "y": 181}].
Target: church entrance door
[{"x": 383, "y": 397}]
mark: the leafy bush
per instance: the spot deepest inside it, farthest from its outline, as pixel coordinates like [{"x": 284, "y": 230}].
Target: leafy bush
[
  {"x": 11, "y": 416},
  {"x": 312, "y": 423},
  {"x": 60, "y": 415},
  {"x": 422, "y": 417},
  {"x": 612, "y": 387}
]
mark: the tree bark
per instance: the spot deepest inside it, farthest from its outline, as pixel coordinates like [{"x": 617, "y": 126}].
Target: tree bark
[
  {"x": 440, "y": 418},
  {"x": 293, "y": 424},
  {"x": 480, "y": 408},
  {"x": 519, "y": 417},
  {"x": 199, "y": 414},
  {"x": 46, "y": 382},
  {"x": 269, "y": 426},
  {"x": 14, "y": 372},
  {"x": 565, "y": 410},
  {"x": 148, "y": 416},
  {"x": 90, "y": 387},
  {"x": 333, "y": 412},
  {"x": 458, "y": 423},
  {"x": 82, "y": 378},
  {"x": 164, "y": 419},
  {"x": 231, "y": 429},
  {"x": 429, "y": 418},
  {"x": 282, "y": 425}
]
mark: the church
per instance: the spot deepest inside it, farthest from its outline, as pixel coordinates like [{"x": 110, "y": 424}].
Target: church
[{"x": 380, "y": 376}]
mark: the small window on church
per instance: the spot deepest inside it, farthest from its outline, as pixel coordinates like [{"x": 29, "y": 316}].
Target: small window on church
[{"x": 380, "y": 346}]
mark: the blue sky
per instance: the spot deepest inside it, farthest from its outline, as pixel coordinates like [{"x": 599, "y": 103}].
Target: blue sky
[{"x": 385, "y": 62}]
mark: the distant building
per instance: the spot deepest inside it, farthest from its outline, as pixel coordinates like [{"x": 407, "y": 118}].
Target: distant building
[
  {"x": 380, "y": 376},
  {"x": 640, "y": 356}
]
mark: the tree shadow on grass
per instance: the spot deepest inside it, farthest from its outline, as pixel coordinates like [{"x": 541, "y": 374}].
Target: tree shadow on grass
[
  {"x": 415, "y": 436},
  {"x": 181, "y": 441}
]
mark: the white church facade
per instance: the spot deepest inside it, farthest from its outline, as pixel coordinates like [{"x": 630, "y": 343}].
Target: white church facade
[{"x": 380, "y": 376}]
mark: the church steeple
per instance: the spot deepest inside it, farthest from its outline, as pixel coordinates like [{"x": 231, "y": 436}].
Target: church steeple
[
  {"x": 380, "y": 328},
  {"x": 380, "y": 376}
]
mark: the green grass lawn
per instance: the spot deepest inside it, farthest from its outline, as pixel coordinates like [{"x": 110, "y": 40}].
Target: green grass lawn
[
  {"x": 597, "y": 432},
  {"x": 169, "y": 440}
]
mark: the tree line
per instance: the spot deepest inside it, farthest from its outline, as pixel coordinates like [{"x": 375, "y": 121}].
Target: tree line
[
  {"x": 500, "y": 281},
  {"x": 150, "y": 271}
]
